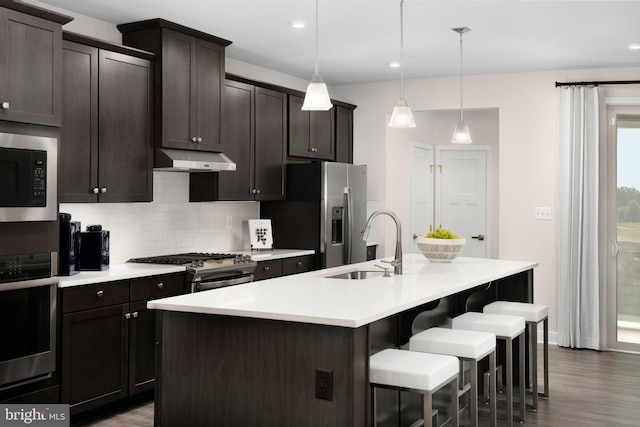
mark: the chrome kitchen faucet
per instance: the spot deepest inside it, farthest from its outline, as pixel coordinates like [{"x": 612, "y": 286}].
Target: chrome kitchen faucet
[{"x": 397, "y": 262}]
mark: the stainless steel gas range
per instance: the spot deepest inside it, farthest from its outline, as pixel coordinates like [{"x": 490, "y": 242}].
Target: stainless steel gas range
[{"x": 208, "y": 270}]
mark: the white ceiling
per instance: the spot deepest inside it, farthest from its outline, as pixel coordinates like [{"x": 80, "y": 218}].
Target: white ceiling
[{"x": 359, "y": 37}]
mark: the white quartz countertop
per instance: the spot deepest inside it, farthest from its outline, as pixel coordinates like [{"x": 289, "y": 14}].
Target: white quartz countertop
[
  {"x": 126, "y": 271},
  {"x": 313, "y": 298}
]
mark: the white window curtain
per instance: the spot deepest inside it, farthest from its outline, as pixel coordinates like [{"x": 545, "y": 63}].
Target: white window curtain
[{"x": 579, "y": 252}]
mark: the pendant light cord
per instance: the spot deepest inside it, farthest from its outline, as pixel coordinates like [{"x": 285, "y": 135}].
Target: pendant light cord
[
  {"x": 461, "y": 84},
  {"x": 316, "y": 45},
  {"x": 401, "y": 50}
]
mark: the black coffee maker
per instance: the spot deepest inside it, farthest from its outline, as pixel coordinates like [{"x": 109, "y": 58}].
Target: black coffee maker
[
  {"x": 69, "y": 252},
  {"x": 95, "y": 248}
]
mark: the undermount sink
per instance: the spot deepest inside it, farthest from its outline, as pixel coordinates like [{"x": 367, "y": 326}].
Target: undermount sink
[{"x": 357, "y": 274}]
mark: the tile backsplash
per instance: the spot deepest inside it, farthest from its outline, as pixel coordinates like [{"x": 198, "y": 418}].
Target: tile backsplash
[{"x": 169, "y": 224}]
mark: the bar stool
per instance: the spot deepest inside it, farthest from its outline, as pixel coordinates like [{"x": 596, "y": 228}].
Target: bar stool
[
  {"x": 506, "y": 328},
  {"x": 422, "y": 373},
  {"x": 466, "y": 346},
  {"x": 533, "y": 314}
]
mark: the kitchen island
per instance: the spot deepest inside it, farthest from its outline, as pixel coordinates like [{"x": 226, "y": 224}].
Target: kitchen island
[{"x": 294, "y": 351}]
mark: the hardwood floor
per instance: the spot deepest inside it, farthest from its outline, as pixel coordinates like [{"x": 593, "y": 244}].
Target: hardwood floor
[{"x": 587, "y": 389}]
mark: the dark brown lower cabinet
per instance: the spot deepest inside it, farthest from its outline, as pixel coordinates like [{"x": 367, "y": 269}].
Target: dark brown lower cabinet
[
  {"x": 109, "y": 339},
  {"x": 283, "y": 267}
]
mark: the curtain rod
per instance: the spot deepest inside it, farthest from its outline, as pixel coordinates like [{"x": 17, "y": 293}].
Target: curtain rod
[{"x": 612, "y": 82}]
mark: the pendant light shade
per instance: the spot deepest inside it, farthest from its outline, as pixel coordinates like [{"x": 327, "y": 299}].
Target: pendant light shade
[
  {"x": 402, "y": 116},
  {"x": 317, "y": 96},
  {"x": 461, "y": 134}
]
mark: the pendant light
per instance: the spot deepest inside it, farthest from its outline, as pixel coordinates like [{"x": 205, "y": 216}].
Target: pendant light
[
  {"x": 317, "y": 96},
  {"x": 461, "y": 133},
  {"x": 402, "y": 116}
]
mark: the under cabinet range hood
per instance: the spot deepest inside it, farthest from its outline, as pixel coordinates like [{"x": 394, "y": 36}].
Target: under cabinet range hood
[{"x": 169, "y": 159}]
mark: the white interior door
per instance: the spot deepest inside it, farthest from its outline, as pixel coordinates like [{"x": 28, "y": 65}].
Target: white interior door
[
  {"x": 461, "y": 191},
  {"x": 422, "y": 191}
]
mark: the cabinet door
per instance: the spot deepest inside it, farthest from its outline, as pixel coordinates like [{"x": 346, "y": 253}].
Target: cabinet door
[
  {"x": 268, "y": 269},
  {"x": 344, "y": 134},
  {"x": 322, "y": 138},
  {"x": 208, "y": 74},
  {"x": 238, "y": 135},
  {"x": 125, "y": 159},
  {"x": 178, "y": 104},
  {"x": 270, "y": 144},
  {"x": 311, "y": 133},
  {"x": 142, "y": 348},
  {"x": 78, "y": 160},
  {"x": 296, "y": 265},
  {"x": 299, "y": 128},
  {"x": 94, "y": 357},
  {"x": 30, "y": 69}
]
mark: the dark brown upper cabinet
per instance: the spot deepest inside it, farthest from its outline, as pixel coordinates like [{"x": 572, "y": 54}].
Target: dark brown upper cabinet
[
  {"x": 254, "y": 131},
  {"x": 344, "y": 133},
  {"x": 311, "y": 133},
  {"x": 30, "y": 64},
  {"x": 189, "y": 82},
  {"x": 106, "y": 140}
]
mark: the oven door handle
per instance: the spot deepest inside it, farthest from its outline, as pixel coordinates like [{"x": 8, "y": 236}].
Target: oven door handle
[
  {"x": 215, "y": 284},
  {"x": 33, "y": 283}
]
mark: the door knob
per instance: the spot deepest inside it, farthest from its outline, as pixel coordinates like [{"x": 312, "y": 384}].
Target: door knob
[
  {"x": 415, "y": 236},
  {"x": 479, "y": 237}
]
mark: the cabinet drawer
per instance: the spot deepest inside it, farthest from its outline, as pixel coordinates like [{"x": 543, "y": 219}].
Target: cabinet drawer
[
  {"x": 154, "y": 287},
  {"x": 94, "y": 296},
  {"x": 296, "y": 265},
  {"x": 268, "y": 269}
]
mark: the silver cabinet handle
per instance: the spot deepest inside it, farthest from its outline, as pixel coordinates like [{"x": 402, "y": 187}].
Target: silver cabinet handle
[
  {"x": 194, "y": 139},
  {"x": 160, "y": 285},
  {"x": 314, "y": 150},
  {"x": 100, "y": 294},
  {"x": 4, "y": 105},
  {"x": 103, "y": 190},
  {"x": 267, "y": 268},
  {"x": 95, "y": 190},
  {"x": 135, "y": 314},
  {"x": 254, "y": 191},
  {"x": 299, "y": 263},
  {"x": 258, "y": 191},
  {"x": 127, "y": 316},
  {"x": 199, "y": 139}
]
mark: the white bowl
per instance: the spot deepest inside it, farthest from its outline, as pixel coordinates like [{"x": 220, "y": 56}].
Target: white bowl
[{"x": 439, "y": 250}]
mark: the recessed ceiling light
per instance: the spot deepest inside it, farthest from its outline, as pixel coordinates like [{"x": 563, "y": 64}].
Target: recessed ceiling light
[
  {"x": 393, "y": 64},
  {"x": 634, "y": 46},
  {"x": 297, "y": 24}
]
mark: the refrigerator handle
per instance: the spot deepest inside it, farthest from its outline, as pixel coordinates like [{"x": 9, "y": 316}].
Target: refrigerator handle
[{"x": 348, "y": 228}]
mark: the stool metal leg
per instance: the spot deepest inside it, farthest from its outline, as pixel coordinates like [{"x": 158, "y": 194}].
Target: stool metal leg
[
  {"x": 374, "y": 413},
  {"x": 492, "y": 389},
  {"x": 523, "y": 390},
  {"x": 534, "y": 363},
  {"x": 474, "y": 392},
  {"x": 455, "y": 405},
  {"x": 545, "y": 349},
  {"x": 509, "y": 361},
  {"x": 427, "y": 400}
]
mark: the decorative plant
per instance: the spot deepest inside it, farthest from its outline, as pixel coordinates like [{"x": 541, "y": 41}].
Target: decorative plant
[{"x": 441, "y": 233}]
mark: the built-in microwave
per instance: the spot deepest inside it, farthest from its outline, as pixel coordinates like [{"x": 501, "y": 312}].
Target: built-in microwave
[{"x": 28, "y": 178}]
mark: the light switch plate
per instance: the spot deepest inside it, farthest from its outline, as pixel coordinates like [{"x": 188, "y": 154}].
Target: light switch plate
[{"x": 543, "y": 213}]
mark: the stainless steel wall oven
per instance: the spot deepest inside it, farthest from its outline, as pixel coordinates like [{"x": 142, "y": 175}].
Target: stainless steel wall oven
[{"x": 28, "y": 306}]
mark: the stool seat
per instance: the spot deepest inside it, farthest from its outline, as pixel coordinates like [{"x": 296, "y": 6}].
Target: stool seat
[
  {"x": 499, "y": 324},
  {"x": 470, "y": 347},
  {"x": 454, "y": 342},
  {"x": 424, "y": 373},
  {"x": 531, "y": 312},
  {"x": 416, "y": 371}
]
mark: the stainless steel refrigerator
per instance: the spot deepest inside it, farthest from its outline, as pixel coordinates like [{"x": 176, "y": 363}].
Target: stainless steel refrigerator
[{"x": 325, "y": 210}]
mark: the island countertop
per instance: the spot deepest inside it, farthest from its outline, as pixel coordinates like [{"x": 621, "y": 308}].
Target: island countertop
[{"x": 315, "y": 298}]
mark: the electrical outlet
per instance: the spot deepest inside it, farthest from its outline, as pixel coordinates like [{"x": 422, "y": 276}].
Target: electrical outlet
[
  {"x": 324, "y": 384},
  {"x": 542, "y": 213},
  {"x": 229, "y": 222}
]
